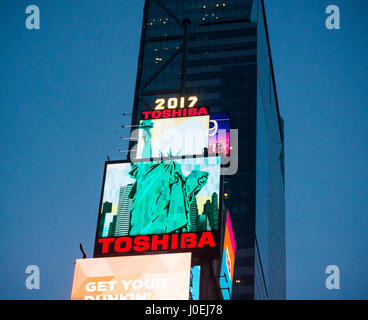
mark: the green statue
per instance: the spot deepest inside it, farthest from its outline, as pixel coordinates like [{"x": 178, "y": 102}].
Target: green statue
[{"x": 161, "y": 194}]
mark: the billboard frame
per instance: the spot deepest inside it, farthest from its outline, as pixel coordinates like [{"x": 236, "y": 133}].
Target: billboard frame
[{"x": 198, "y": 254}]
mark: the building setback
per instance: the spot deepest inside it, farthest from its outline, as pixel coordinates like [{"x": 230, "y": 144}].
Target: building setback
[{"x": 219, "y": 51}]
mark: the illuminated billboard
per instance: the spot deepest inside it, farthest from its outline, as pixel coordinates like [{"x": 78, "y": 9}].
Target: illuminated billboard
[
  {"x": 173, "y": 137},
  {"x": 159, "y": 205},
  {"x": 228, "y": 260},
  {"x": 174, "y": 107},
  {"x": 219, "y": 134},
  {"x": 174, "y": 113},
  {"x": 149, "y": 277}
]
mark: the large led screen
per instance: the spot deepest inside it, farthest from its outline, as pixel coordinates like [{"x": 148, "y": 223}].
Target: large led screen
[
  {"x": 219, "y": 134},
  {"x": 228, "y": 260},
  {"x": 178, "y": 198},
  {"x": 150, "y": 277},
  {"x": 172, "y": 137}
]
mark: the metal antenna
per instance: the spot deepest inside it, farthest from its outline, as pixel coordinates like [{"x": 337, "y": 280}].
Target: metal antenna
[
  {"x": 81, "y": 249},
  {"x": 131, "y": 126}
]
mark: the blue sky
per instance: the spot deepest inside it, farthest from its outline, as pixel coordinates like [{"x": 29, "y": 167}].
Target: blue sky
[{"x": 64, "y": 88}]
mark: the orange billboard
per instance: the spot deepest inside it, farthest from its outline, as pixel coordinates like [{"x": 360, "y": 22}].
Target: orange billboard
[{"x": 149, "y": 277}]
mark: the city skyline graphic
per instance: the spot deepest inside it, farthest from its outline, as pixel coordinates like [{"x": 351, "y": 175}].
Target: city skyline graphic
[{"x": 202, "y": 214}]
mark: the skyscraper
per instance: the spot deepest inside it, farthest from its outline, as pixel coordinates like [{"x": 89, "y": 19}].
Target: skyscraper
[
  {"x": 106, "y": 208},
  {"x": 193, "y": 215},
  {"x": 220, "y": 52},
  {"x": 123, "y": 216}
]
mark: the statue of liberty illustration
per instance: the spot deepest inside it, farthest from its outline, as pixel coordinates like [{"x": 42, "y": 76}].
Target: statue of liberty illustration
[{"x": 161, "y": 193}]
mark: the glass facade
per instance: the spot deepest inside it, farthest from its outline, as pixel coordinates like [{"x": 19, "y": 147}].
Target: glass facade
[{"x": 219, "y": 51}]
